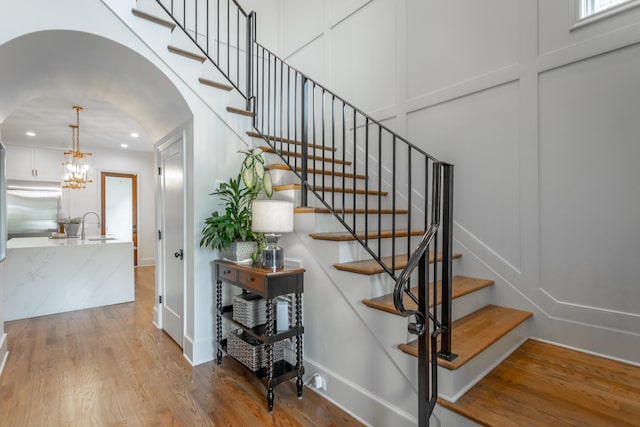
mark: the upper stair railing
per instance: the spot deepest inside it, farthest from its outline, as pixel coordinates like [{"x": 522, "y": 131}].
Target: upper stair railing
[{"x": 380, "y": 187}]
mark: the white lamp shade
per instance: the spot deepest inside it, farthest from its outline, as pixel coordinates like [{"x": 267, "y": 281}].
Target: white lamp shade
[{"x": 272, "y": 216}]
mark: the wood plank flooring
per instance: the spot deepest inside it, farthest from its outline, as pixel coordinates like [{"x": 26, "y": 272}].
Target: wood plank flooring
[
  {"x": 110, "y": 366},
  {"x": 545, "y": 385}
]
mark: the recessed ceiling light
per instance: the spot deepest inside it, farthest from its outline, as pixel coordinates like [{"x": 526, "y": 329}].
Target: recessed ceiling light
[
  {"x": 134, "y": 135},
  {"x": 30, "y": 133},
  {"x": 123, "y": 145}
]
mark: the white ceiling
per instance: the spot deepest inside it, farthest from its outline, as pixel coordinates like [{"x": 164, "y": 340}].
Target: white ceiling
[
  {"x": 44, "y": 74},
  {"x": 102, "y": 124}
]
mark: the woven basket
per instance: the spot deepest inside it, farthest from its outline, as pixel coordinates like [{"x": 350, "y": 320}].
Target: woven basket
[
  {"x": 249, "y": 309},
  {"x": 251, "y": 352}
]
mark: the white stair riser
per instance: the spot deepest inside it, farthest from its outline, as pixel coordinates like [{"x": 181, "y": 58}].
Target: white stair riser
[
  {"x": 282, "y": 177},
  {"x": 313, "y": 201}
]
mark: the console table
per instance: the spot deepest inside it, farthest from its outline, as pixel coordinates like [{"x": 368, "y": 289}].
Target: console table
[{"x": 269, "y": 285}]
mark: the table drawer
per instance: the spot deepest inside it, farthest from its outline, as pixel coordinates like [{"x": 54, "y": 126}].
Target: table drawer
[
  {"x": 252, "y": 281},
  {"x": 227, "y": 273}
]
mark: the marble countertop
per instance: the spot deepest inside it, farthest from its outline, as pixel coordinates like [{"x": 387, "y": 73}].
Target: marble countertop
[{"x": 45, "y": 242}]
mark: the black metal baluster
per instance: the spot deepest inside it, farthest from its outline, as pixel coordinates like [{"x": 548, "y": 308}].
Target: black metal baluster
[
  {"x": 305, "y": 141},
  {"x": 394, "y": 191},
  {"x": 366, "y": 183},
  {"x": 281, "y": 98},
  {"x": 333, "y": 152},
  {"x": 313, "y": 137},
  {"x": 380, "y": 191},
  {"x": 238, "y": 46},
  {"x": 355, "y": 169},
  {"x": 344, "y": 159},
  {"x": 228, "y": 41},
  {"x": 324, "y": 113}
]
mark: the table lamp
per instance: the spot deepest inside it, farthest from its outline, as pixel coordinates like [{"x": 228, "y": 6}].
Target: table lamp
[{"x": 272, "y": 217}]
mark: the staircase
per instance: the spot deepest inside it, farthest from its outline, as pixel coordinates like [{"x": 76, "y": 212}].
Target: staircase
[{"x": 384, "y": 204}]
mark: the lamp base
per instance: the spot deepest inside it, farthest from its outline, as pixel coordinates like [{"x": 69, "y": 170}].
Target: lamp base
[
  {"x": 272, "y": 257},
  {"x": 272, "y": 254}
]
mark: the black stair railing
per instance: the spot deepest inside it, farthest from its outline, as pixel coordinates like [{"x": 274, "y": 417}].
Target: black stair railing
[
  {"x": 221, "y": 30},
  {"x": 357, "y": 168}
]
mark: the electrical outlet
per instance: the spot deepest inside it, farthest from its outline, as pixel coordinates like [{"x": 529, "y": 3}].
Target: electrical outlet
[{"x": 319, "y": 382}]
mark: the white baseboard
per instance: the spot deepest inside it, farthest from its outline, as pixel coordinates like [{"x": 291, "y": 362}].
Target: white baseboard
[
  {"x": 143, "y": 262},
  {"x": 4, "y": 352},
  {"x": 364, "y": 406},
  {"x": 199, "y": 351}
]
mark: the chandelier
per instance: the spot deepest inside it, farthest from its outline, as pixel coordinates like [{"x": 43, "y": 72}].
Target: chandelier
[{"x": 77, "y": 165}]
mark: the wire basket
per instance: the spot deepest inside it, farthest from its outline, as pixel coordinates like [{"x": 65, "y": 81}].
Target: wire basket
[
  {"x": 251, "y": 352},
  {"x": 249, "y": 309}
]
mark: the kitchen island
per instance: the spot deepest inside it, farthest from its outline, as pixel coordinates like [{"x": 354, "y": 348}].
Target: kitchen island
[{"x": 45, "y": 276}]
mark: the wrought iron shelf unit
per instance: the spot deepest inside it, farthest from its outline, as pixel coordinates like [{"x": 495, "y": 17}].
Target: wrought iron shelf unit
[{"x": 269, "y": 285}]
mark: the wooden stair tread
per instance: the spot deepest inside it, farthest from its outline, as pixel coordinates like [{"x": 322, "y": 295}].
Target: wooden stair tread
[
  {"x": 460, "y": 286},
  {"x": 287, "y": 141},
  {"x": 542, "y": 384},
  {"x": 346, "y": 237},
  {"x": 475, "y": 332},
  {"x": 240, "y": 111},
  {"x": 268, "y": 149},
  {"x": 164, "y": 22},
  {"x": 362, "y": 211},
  {"x": 186, "y": 53},
  {"x": 317, "y": 171},
  {"x": 284, "y": 187},
  {"x": 215, "y": 84},
  {"x": 370, "y": 267}
]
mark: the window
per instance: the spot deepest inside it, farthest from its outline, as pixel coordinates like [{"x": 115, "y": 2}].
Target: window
[{"x": 591, "y": 7}]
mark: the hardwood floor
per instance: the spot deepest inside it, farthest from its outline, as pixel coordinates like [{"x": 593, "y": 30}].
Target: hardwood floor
[
  {"x": 110, "y": 366},
  {"x": 545, "y": 385}
]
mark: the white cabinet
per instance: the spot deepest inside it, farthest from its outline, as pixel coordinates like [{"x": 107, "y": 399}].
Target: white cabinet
[{"x": 34, "y": 163}]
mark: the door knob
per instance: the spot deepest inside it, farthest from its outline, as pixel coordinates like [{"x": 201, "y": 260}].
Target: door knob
[{"x": 179, "y": 254}]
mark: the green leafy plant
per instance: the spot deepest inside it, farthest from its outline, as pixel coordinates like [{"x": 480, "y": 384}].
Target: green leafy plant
[
  {"x": 237, "y": 195},
  {"x": 69, "y": 220},
  {"x": 253, "y": 174}
]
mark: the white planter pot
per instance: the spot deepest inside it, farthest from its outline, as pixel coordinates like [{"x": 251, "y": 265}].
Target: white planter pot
[{"x": 240, "y": 252}]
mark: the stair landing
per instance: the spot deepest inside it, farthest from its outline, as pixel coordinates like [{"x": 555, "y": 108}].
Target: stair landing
[
  {"x": 542, "y": 384},
  {"x": 475, "y": 332}
]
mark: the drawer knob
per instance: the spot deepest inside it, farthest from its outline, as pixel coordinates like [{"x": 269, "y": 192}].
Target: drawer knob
[
  {"x": 250, "y": 279},
  {"x": 225, "y": 272}
]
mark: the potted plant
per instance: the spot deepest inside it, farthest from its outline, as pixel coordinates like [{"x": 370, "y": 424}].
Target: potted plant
[
  {"x": 230, "y": 232},
  {"x": 71, "y": 226}
]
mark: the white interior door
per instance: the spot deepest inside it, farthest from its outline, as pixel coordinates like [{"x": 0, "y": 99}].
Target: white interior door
[
  {"x": 120, "y": 207},
  {"x": 172, "y": 241}
]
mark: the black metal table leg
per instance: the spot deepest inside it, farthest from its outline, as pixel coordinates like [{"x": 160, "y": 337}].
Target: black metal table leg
[
  {"x": 269, "y": 347},
  {"x": 299, "y": 382},
  {"x": 219, "y": 319}
]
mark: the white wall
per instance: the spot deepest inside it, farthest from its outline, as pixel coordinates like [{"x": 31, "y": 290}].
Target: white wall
[{"x": 539, "y": 119}]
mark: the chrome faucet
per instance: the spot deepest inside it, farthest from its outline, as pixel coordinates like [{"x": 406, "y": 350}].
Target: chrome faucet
[{"x": 82, "y": 235}]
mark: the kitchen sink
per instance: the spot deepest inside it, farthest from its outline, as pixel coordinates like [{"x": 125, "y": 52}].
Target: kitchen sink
[{"x": 100, "y": 239}]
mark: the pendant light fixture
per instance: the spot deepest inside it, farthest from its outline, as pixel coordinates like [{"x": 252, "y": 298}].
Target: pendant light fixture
[{"x": 77, "y": 165}]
